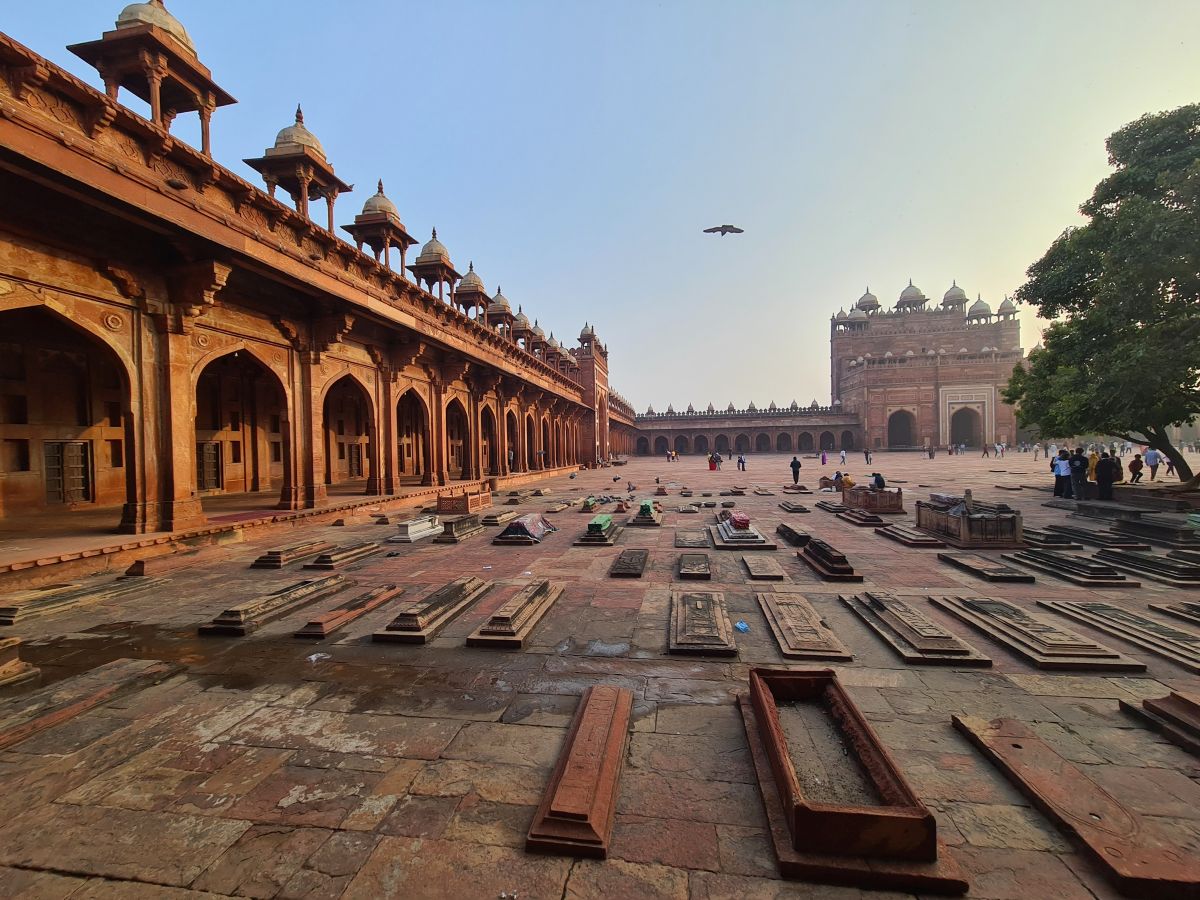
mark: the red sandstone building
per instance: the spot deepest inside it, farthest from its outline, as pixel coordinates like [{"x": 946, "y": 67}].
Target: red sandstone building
[
  {"x": 910, "y": 377},
  {"x": 171, "y": 334}
]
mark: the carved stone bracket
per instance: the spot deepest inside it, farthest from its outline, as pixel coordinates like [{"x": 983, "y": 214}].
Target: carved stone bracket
[
  {"x": 127, "y": 283},
  {"x": 194, "y": 290},
  {"x": 99, "y": 115},
  {"x": 290, "y": 333},
  {"x": 330, "y": 329},
  {"x": 26, "y": 79}
]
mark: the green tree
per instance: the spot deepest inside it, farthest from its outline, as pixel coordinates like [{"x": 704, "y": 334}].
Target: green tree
[{"x": 1124, "y": 357}]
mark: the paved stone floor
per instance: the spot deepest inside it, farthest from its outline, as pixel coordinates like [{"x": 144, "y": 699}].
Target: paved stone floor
[{"x": 272, "y": 767}]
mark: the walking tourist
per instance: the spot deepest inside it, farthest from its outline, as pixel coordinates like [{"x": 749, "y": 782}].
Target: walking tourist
[
  {"x": 843, "y": 456},
  {"x": 1093, "y": 461},
  {"x": 1152, "y": 459},
  {"x": 741, "y": 462},
  {"x": 824, "y": 458},
  {"x": 795, "y": 464},
  {"x": 985, "y": 451},
  {"x": 1106, "y": 474},
  {"x": 1170, "y": 465},
  {"x": 1135, "y": 468},
  {"x": 1061, "y": 468},
  {"x": 1078, "y": 466}
]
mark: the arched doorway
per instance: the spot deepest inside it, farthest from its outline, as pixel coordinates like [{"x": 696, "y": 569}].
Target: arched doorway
[
  {"x": 348, "y": 426},
  {"x": 643, "y": 446},
  {"x": 827, "y": 442},
  {"x": 847, "y": 440},
  {"x": 722, "y": 444},
  {"x": 966, "y": 427},
  {"x": 412, "y": 439},
  {"x": 547, "y": 452},
  {"x": 66, "y": 427},
  {"x": 681, "y": 445},
  {"x": 458, "y": 441},
  {"x": 762, "y": 443},
  {"x": 242, "y": 434},
  {"x": 741, "y": 443},
  {"x": 701, "y": 444},
  {"x": 660, "y": 446},
  {"x": 902, "y": 429},
  {"x": 530, "y": 442},
  {"x": 488, "y": 448},
  {"x": 783, "y": 443},
  {"x": 805, "y": 442},
  {"x": 513, "y": 436}
]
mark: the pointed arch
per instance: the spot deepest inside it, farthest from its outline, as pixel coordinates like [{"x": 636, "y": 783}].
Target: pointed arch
[
  {"x": 348, "y": 426},
  {"x": 489, "y": 443},
  {"x": 413, "y": 451},
  {"x": 458, "y": 440}
]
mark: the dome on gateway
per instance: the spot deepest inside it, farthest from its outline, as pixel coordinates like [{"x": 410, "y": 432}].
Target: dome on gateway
[
  {"x": 588, "y": 332},
  {"x": 297, "y": 135},
  {"x": 911, "y": 293},
  {"x": 857, "y": 313},
  {"x": 379, "y": 203},
  {"x": 841, "y": 314},
  {"x": 954, "y": 295},
  {"x": 154, "y": 13},
  {"x": 537, "y": 331},
  {"x": 980, "y": 308},
  {"x": 1007, "y": 306},
  {"x": 434, "y": 251},
  {"x": 867, "y": 301}
]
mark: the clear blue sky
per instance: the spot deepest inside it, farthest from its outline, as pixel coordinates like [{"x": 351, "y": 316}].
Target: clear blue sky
[{"x": 575, "y": 150}]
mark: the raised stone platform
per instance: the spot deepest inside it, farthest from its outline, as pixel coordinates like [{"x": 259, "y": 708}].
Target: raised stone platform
[
  {"x": 601, "y": 532},
  {"x": 789, "y": 507},
  {"x": 647, "y": 516},
  {"x": 499, "y": 517},
  {"x": 700, "y": 625},
  {"x": 1180, "y": 646},
  {"x": 1160, "y": 531},
  {"x": 694, "y": 567},
  {"x": 343, "y": 556},
  {"x": 763, "y": 568},
  {"x": 1093, "y": 538},
  {"x": 799, "y": 631},
  {"x": 828, "y": 562},
  {"x": 830, "y": 506},
  {"x": 420, "y": 620},
  {"x": 1052, "y": 540},
  {"x": 513, "y": 622},
  {"x": 915, "y": 638},
  {"x": 24, "y": 606},
  {"x": 793, "y": 536},
  {"x": 246, "y": 618},
  {"x": 629, "y": 564},
  {"x": 13, "y": 669},
  {"x": 1163, "y": 569},
  {"x": 909, "y": 536},
  {"x": 692, "y": 540},
  {"x": 1175, "y": 716},
  {"x": 861, "y": 517},
  {"x": 1076, "y": 569},
  {"x": 343, "y": 614},
  {"x": 457, "y": 529},
  {"x": 412, "y": 530},
  {"x": 987, "y": 569},
  {"x": 277, "y": 559}
]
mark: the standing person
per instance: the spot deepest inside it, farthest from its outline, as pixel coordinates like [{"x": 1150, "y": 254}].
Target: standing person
[
  {"x": 795, "y": 464},
  {"x": 1135, "y": 469},
  {"x": 741, "y": 462},
  {"x": 1153, "y": 459},
  {"x": 1093, "y": 461},
  {"x": 1077, "y": 463},
  {"x": 843, "y": 456},
  {"x": 1106, "y": 474},
  {"x": 867, "y": 455},
  {"x": 985, "y": 451},
  {"x": 824, "y": 458},
  {"x": 1052, "y": 453},
  {"x": 1170, "y": 465},
  {"x": 1061, "y": 468},
  {"x": 1036, "y": 449}
]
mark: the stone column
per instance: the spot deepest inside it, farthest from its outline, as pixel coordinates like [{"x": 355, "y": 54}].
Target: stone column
[
  {"x": 309, "y": 429},
  {"x": 389, "y": 435},
  {"x": 181, "y": 507}
]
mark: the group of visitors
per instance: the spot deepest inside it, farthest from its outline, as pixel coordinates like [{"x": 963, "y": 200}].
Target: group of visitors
[{"x": 1073, "y": 471}]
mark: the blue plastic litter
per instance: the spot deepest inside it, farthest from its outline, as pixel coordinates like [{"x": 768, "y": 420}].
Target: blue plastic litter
[{"x": 741, "y": 626}]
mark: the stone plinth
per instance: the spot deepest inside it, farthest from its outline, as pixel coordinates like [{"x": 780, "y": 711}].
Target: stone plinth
[
  {"x": 827, "y": 562},
  {"x": 647, "y": 516},
  {"x": 458, "y": 529},
  {"x": 463, "y": 504},
  {"x": 525, "y": 531},
  {"x": 955, "y": 525},
  {"x": 413, "y": 530},
  {"x": 248, "y": 617},
  {"x": 889, "y": 501},
  {"x": 601, "y": 532}
]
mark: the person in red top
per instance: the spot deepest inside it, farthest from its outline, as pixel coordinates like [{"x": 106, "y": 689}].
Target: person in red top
[{"x": 1135, "y": 468}]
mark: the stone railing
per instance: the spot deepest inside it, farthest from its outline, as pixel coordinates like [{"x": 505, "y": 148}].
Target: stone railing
[
  {"x": 801, "y": 411},
  {"x": 974, "y": 530}
]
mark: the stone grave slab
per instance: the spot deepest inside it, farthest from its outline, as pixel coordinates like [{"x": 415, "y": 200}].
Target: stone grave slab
[
  {"x": 910, "y": 537},
  {"x": 343, "y": 556},
  {"x": 576, "y": 815},
  {"x": 167, "y": 564},
  {"x": 13, "y": 669},
  {"x": 457, "y": 529},
  {"x": 694, "y": 567},
  {"x": 831, "y": 506},
  {"x": 419, "y": 621},
  {"x": 1133, "y": 854},
  {"x": 1093, "y": 538},
  {"x": 277, "y": 559},
  {"x": 1192, "y": 556},
  {"x": 793, "y": 536},
  {"x": 1035, "y": 638},
  {"x": 863, "y": 826},
  {"x": 525, "y": 531},
  {"x": 246, "y": 618},
  {"x": 688, "y": 510},
  {"x": 602, "y": 531},
  {"x": 343, "y": 614},
  {"x": 763, "y": 568},
  {"x": 685, "y": 493},
  {"x": 1008, "y": 487},
  {"x": 23, "y": 606},
  {"x": 789, "y": 507},
  {"x": 1175, "y": 716},
  {"x": 796, "y": 489},
  {"x": 660, "y": 491},
  {"x": 1163, "y": 569},
  {"x": 1075, "y": 569},
  {"x": 700, "y": 624},
  {"x": 763, "y": 492},
  {"x": 728, "y": 504},
  {"x": 985, "y": 568},
  {"x": 30, "y": 714},
  {"x": 733, "y": 531},
  {"x": 862, "y": 518},
  {"x": 915, "y": 638},
  {"x": 1160, "y": 531},
  {"x": 416, "y": 529},
  {"x": 513, "y": 622},
  {"x": 737, "y": 492},
  {"x": 557, "y": 508},
  {"x": 1178, "y": 645},
  {"x": 647, "y": 516},
  {"x": 691, "y": 540},
  {"x": 1187, "y": 610},
  {"x": 1051, "y": 540},
  {"x": 799, "y": 630},
  {"x": 828, "y": 562},
  {"x": 629, "y": 564},
  {"x": 499, "y": 517}
]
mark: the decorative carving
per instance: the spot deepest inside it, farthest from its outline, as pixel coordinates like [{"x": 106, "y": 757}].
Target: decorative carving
[
  {"x": 26, "y": 79},
  {"x": 113, "y": 322},
  {"x": 126, "y": 282},
  {"x": 289, "y": 332},
  {"x": 330, "y": 330},
  {"x": 99, "y": 116}
]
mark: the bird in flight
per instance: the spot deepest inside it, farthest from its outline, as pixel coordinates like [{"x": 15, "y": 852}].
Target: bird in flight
[{"x": 723, "y": 230}]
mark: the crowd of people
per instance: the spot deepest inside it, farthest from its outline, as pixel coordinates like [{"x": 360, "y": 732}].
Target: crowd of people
[{"x": 1074, "y": 471}]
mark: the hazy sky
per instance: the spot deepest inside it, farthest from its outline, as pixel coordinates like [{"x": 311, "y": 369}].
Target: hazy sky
[{"x": 575, "y": 150}]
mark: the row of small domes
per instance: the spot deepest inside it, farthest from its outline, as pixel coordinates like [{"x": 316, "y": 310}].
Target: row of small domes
[{"x": 913, "y": 297}]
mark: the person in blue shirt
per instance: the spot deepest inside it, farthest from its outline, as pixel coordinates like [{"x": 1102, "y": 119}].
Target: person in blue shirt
[{"x": 1153, "y": 459}]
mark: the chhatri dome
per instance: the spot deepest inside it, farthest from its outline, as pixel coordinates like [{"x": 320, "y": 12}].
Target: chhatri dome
[
  {"x": 154, "y": 13},
  {"x": 379, "y": 203},
  {"x": 521, "y": 320},
  {"x": 537, "y": 331},
  {"x": 292, "y": 138},
  {"x": 1007, "y": 307},
  {"x": 434, "y": 252},
  {"x": 911, "y": 294},
  {"x": 588, "y": 333},
  {"x": 955, "y": 296},
  {"x": 867, "y": 301},
  {"x": 857, "y": 313},
  {"x": 841, "y": 314},
  {"x": 499, "y": 304},
  {"x": 471, "y": 281},
  {"x": 980, "y": 308}
]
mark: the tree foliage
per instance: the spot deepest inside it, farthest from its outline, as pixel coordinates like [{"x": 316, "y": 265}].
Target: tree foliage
[{"x": 1124, "y": 357}]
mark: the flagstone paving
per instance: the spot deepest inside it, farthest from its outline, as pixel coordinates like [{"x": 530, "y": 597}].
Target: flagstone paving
[{"x": 272, "y": 767}]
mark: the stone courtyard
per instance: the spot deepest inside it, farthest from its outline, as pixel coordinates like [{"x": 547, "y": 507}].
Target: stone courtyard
[{"x": 266, "y": 766}]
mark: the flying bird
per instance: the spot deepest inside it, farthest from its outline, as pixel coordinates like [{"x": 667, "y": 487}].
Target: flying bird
[{"x": 723, "y": 230}]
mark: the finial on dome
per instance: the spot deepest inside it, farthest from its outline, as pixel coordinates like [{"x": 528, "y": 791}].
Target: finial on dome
[
  {"x": 910, "y": 282},
  {"x": 380, "y": 187},
  {"x": 435, "y": 232},
  {"x": 299, "y": 115},
  {"x": 953, "y": 282},
  {"x": 471, "y": 266}
]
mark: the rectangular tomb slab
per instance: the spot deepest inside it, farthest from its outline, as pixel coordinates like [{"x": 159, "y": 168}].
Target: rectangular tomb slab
[
  {"x": 23, "y": 606},
  {"x": 419, "y": 621},
  {"x": 1160, "y": 530},
  {"x": 832, "y": 506},
  {"x": 1187, "y": 610},
  {"x": 763, "y": 568},
  {"x": 277, "y": 559},
  {"x": 700, "y": 624},
  {"x": 691, "y": 540},
  {"x": 629, "y": 564},
  {"x": 343, "y": 556},
  {"x": 1075, "y": 569},
  {"x": 344, "y": 613},
  {"x": 1178, "y": 645},
  {"x": 1175, "y": 716},
  {"x": 910, "y": 537},
  {"x": 793, "y": 536},
  {"x": 576, "y": 815},
  {"x": 1044, "y": 537},
  {"x": 1139, "y": 859},
  {"x": 694, "y": 567},
  {"x": 1035, "y": 638},
  {"x": 800, "y": 632},
  {"x": 726, "y": 537},
  {"x": 457, "y": 529},
  {"x": 838, "y": 808},
  {"x": 416, "y": 529},
  {"x": 1093, "y": 538},
  {"x": 1163, "y": 569},
  {"x": 602, "y": 531},
  {"x": 987, "y": 569},
  {"x": 513, "y": 622},
  {"x": 499, "y": 517},
  {"x": 861, "y": 517},
  {"x": 915, "y": 638},
  {"x": 248, "y": 617},
  {"x": 828, "y": 562},
  {"x": 790, "y": 507}
]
